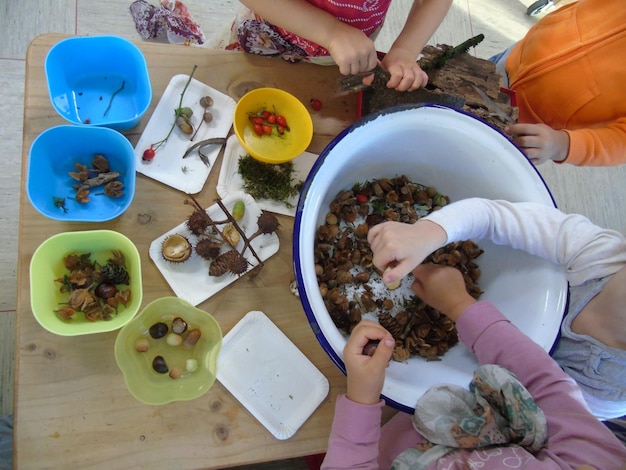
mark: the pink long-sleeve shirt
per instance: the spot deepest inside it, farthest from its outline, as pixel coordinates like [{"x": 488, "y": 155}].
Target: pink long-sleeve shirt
[{"x": 576, "y": 437}]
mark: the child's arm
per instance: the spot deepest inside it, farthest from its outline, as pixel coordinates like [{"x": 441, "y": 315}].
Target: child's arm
[
  {"x": 355, "y": 433},
  {"x": 585, "y": 250},
  {"x": 350, "y": 48},
  {"x": 423, "y": 20},
  {"x": 575, "y": 435}
]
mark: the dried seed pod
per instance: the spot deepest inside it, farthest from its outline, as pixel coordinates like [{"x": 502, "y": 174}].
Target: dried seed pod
[
  {"x": 100, "y": 163},
  {"x": 231, "y": 235},
  {"x": 207, "y": 117},
  {"x": 176, "y": 249},
  {"x": 114, "y": 189}
]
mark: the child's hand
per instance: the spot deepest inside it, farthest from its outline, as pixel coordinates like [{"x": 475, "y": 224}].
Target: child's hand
[
  {"x": 406, "y": 74},
  {"x": 540, "y": 142},
  {"x": 352, "y": 50},
  {"x": 443, "y": 288},
  {"x": 366, "y": 374},
  {"x": 403, "y": 246}
]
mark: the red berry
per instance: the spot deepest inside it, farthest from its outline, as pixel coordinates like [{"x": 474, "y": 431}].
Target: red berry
[
  {"x": 267, "y": 129},
  {"x": 256, "y": 119},
  {"x": 280, "y": 129},
  {"x": 265, "y": 114},
  {"x": 258, "y": 129},
  {"x": 148, "y": 154},
  {"x": 281, "y": 121},
  {"x": 271, "y": 119},
  {"x": 316, "y": 104},
  {"x": 361, "y": 198}
]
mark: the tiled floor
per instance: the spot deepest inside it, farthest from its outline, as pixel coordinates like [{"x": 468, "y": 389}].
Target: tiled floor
[{"x": 593, "y": 192}]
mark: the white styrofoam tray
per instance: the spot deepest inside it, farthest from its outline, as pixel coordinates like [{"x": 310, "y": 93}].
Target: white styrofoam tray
[
  {"x": 190, "y": 280},
  {"x": 168, "y": 166},
  {"x": 269, "y": 375},
  {"x": 230, "y": 180}
]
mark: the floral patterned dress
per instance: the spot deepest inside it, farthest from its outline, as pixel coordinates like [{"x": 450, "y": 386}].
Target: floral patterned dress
[{"x": 251, "y": 33}]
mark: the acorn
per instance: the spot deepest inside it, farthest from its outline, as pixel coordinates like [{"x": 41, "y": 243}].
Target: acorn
[
  {"x": 176, "y": 249},
  {"x": 239, "y": 209}
]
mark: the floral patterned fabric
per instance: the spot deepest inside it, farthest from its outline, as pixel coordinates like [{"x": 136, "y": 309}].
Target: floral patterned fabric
[
  {"x": 496, "y": 410},
  {"x": 171, "y": 21},
  {"x": 252, "y": 34}
]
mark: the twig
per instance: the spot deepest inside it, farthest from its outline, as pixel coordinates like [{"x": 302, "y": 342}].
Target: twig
[
  {"x": 99, "y": 180},
  {"x": 113, "y": 96},
  {"x": 156, "y": 145},
  {"x": 241, "y": 232}
]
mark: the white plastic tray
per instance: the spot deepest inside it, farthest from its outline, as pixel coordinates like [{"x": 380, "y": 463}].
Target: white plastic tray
[
  {"x": 269, "y": 375},
  {"x": 190, "y": 280},
  {"x": 169, "y": 167},
  {"x": 230, "y": 180}
]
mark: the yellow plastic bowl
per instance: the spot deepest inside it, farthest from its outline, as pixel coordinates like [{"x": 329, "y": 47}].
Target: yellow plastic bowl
[
  {"x": 47, "y": 265},
  {"x": 151, "y": 387},
  {"x": 273, "y": 148}
]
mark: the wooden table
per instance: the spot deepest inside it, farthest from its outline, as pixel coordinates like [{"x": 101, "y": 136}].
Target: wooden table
[{"x": 72, "y": 408}]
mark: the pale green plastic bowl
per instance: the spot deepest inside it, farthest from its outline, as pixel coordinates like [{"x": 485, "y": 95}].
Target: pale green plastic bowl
[
  {"x": 143, "y": 382},
  {"x": 47, "y": 265}
]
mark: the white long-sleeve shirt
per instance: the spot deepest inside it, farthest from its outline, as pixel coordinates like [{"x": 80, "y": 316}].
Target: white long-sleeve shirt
[{"x": 589, "y": 255}]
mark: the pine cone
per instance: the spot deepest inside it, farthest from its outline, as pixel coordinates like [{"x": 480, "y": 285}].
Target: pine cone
[
  {"x": 390, "y": 324},
  {"x": 114, "y": 273},
  {"x": 231, "y": 261}
]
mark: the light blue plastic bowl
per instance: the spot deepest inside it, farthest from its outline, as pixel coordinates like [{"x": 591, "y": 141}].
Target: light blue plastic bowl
[
  {"x": 85, "y": 76},
  {"x": 53, "y": 155}
]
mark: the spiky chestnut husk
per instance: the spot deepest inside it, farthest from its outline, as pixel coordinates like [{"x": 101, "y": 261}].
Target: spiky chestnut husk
[
  {"x": 267, "y": 222},
  {"x": 230, "y": 261},
  {"x": 176, "y": 249},
  {"x": 198, "y": 222},
  {"x": 208, "y": 249}
]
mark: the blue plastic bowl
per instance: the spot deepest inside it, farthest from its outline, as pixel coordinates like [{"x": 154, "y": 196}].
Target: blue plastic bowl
[
  {"x": 52, "y": 157},
  {"x": 98, "y": 80}
]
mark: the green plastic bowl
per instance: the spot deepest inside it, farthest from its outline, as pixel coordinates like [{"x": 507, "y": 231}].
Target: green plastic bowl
[
  {"x": 46, "y": 267},
  {"x": 151, "y": 387}
]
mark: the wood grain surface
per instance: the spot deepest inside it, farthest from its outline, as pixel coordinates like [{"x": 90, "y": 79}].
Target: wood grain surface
[{"x": 72, "y": 407}]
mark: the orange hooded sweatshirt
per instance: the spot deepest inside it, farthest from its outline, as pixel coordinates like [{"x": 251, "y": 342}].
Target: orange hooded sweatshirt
[{"x": 569, "y": 72}]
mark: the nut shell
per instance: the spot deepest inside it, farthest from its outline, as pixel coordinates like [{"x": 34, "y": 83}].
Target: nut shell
[{"x": 176, "y": 249}]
